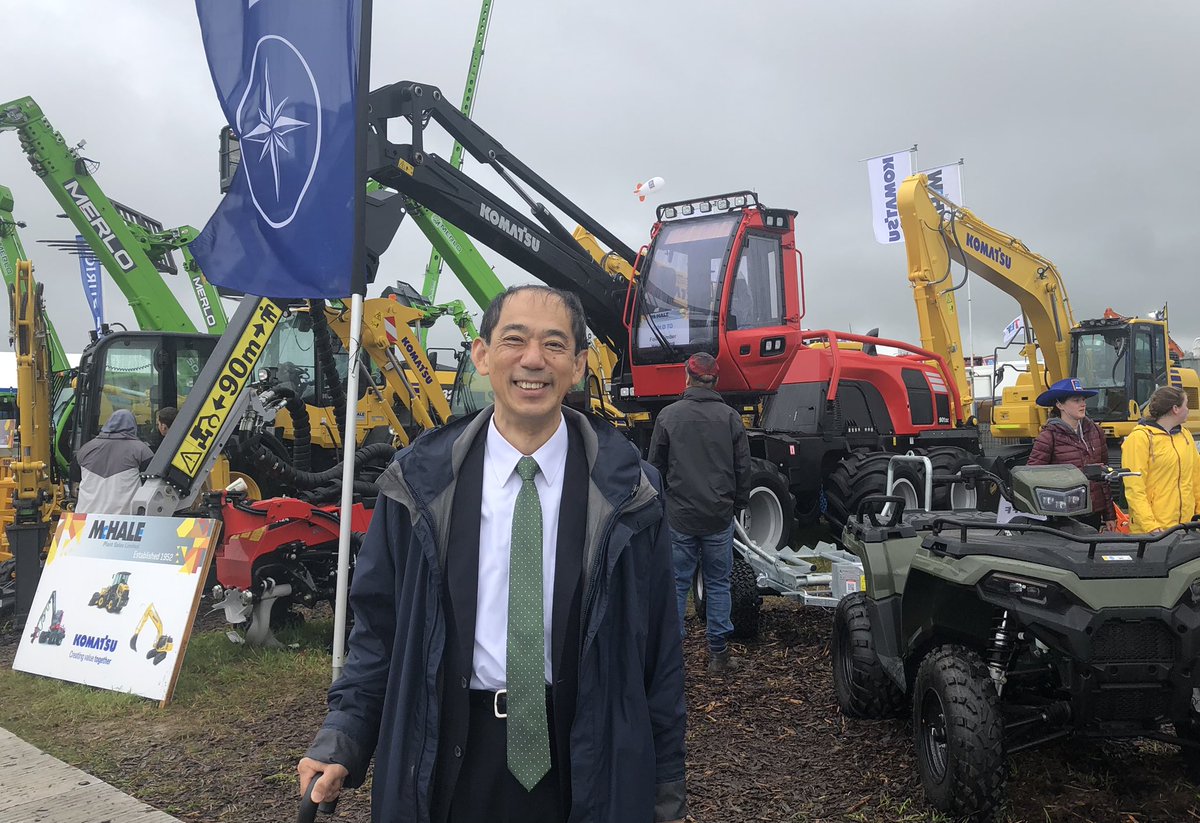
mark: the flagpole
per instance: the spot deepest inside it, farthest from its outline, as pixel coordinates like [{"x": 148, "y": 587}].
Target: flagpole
[
  {"x": 348, "y": 446},
  {"x": 358, "y": 279}
]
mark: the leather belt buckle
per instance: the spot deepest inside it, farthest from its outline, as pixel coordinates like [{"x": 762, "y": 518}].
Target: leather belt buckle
[{"x": 500, "y": 703}]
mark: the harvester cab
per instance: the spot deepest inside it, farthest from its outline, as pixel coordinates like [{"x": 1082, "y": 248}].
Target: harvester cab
[
  {"x": 999, "y": 637},
  {"x": 722, "y": 275}
]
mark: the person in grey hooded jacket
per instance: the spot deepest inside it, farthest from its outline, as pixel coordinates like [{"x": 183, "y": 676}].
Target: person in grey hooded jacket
[{"x": 110, "y": 465}]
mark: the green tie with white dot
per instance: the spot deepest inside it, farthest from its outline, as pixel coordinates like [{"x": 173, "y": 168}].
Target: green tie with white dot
[{"x": 528, "y": 728}]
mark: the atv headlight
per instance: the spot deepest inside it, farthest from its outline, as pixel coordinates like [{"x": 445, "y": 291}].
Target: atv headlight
[
  {"x": 1027, "y": 589},
  {"x": 1064, "y": 501}
]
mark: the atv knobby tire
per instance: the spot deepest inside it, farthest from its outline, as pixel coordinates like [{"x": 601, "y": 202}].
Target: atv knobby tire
[
  {"x": 862, "y": 687},
  {"x": 959, "y": 733},
  {"x": 745, "y": 612}
]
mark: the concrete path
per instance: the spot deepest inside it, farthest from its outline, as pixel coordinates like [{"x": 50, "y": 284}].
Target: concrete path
[{"x": 38, "y": 788}]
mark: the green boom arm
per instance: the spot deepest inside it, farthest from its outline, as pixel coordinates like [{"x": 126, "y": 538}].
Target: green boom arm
[{"x": 126, "y": 250}]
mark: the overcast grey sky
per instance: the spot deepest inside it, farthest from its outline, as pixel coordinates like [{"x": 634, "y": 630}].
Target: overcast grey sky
[{"x": 1077, "y": 120}]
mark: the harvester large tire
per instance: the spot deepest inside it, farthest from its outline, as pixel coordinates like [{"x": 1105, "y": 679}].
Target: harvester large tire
[
  {"x": 862, "y": 687},
  {"x": 745, "y": 612},
  {"x": 856, "y": 477},
  {"x": 950, "y": 460},
  {"x": 959, "y": 733},
  {"x": 772, "y": 510}
]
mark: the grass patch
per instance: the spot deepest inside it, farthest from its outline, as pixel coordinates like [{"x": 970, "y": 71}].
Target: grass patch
[{"x": 223, "y": 687}]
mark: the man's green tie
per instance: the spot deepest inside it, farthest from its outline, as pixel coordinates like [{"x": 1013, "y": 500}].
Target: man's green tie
[{"x": 528, "y": 729}]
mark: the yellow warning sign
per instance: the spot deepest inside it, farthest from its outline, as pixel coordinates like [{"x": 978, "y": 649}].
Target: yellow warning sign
[{"x": 228, "y": 386}]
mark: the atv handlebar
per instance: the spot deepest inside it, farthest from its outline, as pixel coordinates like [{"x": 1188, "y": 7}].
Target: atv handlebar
[
  {"x": 875, "y": 504},
  {"x": 309, "y": 809}
]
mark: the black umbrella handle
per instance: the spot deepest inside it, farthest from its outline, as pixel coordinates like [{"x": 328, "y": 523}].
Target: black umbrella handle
[{"x": 309, "y": 809}]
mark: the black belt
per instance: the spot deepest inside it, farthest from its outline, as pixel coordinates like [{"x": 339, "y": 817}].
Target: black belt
[{"x": 497, "y": 700}]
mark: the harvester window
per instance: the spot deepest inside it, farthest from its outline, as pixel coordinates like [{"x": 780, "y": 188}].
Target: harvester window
[
  {"x": 681, "y": 287},
  {"x": 756, "y": 300}
]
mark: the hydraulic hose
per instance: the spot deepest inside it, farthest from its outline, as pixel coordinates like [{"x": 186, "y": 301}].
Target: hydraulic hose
[
  {"x": 301, "y": 479},
  {"x": 322, "y": 338},
  {"x": 301, "y": 432}
]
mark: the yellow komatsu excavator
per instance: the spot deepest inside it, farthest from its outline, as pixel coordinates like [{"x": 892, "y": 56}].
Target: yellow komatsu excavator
[
  {"x": 1124, "y": 358},
  {"x": 164, "y": 644},
  {"x": 35, "y": 495}
]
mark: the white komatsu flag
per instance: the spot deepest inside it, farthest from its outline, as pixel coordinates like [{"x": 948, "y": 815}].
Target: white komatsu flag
[
  {"x": 885, "y": 173},
  {"x": 946, "y": 181}
]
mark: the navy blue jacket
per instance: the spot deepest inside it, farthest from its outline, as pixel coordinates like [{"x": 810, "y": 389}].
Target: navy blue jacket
[{"x": 627, "y": 739}]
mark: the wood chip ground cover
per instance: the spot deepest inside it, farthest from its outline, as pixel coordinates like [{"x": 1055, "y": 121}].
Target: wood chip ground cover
[{"x": 766, "y": 743}]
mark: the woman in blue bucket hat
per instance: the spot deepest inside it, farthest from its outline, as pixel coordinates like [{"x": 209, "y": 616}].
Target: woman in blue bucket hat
[{"x": 1071, "y": 438}]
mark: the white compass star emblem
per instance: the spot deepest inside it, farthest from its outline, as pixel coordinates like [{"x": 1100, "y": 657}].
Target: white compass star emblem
[{"x": 272, "y": 127}]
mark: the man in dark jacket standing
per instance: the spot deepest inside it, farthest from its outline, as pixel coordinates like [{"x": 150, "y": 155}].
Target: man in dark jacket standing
[
  {"x": 515, "y": 653},
  {"x": 700, "y": 447}
]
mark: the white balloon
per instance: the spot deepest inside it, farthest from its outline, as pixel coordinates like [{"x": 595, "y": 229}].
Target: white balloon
[{"x": 651, "y": 185}]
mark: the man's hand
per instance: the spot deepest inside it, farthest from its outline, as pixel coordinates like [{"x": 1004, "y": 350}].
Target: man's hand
[
  {"x": 330, "y": 784},
  {"x": 1110, "y": 525}
]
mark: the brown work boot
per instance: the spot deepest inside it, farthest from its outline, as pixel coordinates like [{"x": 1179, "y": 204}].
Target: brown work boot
[{"x": 722, "y": 663}]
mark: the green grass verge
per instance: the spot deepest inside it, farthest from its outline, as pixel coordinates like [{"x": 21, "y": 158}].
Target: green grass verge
[{"x": 221, "y": 687}]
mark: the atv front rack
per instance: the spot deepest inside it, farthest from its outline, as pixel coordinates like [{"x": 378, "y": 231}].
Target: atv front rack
[{"x": 1092, "y": 541}]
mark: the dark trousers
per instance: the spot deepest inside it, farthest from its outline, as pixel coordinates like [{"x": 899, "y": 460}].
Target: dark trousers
[{"x": 486, "y": 791}]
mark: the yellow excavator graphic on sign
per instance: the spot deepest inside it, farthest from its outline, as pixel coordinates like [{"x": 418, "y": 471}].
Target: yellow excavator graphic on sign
[{"x": 164, "y": 644}]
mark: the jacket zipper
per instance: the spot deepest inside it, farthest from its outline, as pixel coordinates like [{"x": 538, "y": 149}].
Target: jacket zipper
[
  {"x": 593, "y": 576},
  {"x": 428, "y": 517}
]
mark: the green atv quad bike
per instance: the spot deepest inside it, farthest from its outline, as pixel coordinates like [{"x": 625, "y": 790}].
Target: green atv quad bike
[{"x": 1000, "y": 637}]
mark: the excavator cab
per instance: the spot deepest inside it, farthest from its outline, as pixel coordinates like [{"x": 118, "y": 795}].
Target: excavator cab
[
  {"x": 1123, "y": 359},
  {"x": 138, "y": 371},
  {"x": 720, "y": 276}
]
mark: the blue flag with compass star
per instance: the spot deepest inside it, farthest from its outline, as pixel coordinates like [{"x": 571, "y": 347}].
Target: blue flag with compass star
[{"x": 287, "y": 77}]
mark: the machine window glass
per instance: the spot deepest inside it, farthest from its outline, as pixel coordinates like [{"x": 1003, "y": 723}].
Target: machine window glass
[
  {"x": 1101, "y": 363},
  {"x": 131, "y": 380},
  {"x": 681, "y": 286},
  {"x": 1149, "y": 362},
  {"x": 756, "y": 300}
]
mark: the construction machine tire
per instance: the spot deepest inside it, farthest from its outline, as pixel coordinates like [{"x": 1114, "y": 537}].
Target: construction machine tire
[
  {"x": 745, "y": 611},
  {"x": 860, "y": 475},
  {"x": 95, "y": 599},
  {"x": 948, "y": 460},
  {"x": 959, "y": 733},
  {"x": 862, "y": 687},
  {"x": 772, "y": 511},
  {"x": 111, "y": 605}
]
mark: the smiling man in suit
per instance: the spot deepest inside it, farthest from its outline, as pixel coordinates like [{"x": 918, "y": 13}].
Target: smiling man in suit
[{"x": 516, "y": 652}]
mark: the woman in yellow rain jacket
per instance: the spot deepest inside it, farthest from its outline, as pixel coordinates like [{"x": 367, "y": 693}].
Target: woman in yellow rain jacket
[{"x": 1168, "y": 491}]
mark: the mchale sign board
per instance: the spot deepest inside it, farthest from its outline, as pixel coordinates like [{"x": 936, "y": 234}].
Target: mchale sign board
[{"x": 116, "y": 601}]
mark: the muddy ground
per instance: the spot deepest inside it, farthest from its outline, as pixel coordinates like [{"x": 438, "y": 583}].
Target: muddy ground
[{"x": 766, "y": 743}]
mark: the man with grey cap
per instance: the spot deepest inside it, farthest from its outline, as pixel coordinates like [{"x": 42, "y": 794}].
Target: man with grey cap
[
  {"x": 700, "y": 447},
  {"x": 110, "y": 466}
]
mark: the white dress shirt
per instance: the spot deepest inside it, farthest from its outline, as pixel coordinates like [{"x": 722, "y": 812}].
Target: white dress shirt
[{"x": 501, "y": 483}]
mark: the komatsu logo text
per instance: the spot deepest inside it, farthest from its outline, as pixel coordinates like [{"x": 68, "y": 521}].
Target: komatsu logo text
[
  {"x": 892, "y": 216},
  {"x": 424, "y": 372},
  {"x": 107, "y": 237},
  {"x": 989, "y": 251},
  {"x": 514, "y": 230}
]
